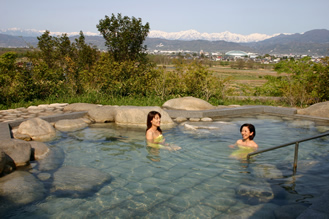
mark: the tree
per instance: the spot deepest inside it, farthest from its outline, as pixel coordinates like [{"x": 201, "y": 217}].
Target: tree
[
  {"x": 47, "y": 45},
  {"x": 124, "y": 37}
]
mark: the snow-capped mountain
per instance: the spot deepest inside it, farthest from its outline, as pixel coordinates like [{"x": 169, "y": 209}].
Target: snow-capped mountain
[
  {"x": 35, "y": 33},
  {"x": 195, "y": 35},
  {"x": 182, "y": 35}
]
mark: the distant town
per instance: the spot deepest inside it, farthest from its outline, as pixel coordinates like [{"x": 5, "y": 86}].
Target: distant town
[{"x": 233, "y": 55}]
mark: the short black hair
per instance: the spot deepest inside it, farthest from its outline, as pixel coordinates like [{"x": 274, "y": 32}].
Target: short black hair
[{"x": 251, "y": 128}]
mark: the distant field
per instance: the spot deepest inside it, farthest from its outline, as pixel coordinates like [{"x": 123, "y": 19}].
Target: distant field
[{"x": 242, "y": 82}]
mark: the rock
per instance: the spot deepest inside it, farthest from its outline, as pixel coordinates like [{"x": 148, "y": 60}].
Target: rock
[
  {"x": 22, "y": 136},
  {"x": 194, "y": 119},
  {"x": 21, "y": 187},
  {"x": 256, "y": 193},
  {"x": 2, "y": 161},
  {"x": 44, "y": 176},
  {"x": 190, "y": 127},
  {"x": 301, "y": 123},
  {"x": 87, "y": 120},
  {"x": 318, "y": 109},
  {"x": 253, "y": 211},
  {"x": 39, "y": 150},
  {"x": 103, "y": 113},
  {"x": 267, "y": 171},
  {"x": 75, "y": 180},
  {"x": 206, "y": 119},
  {"x": 188, "y": 103},
  {"x": 38, "y": 129},
  {"x": 76, "y": 107},
  {"x": 137, "y": 116},
  {"x": 322, "y": 128},
  {"x": 181, "y": 119},
  {"x": 70, "y": 124},
  {"x": 58, "y": 105},
  {"x": 18, "y": 150},
  {"x": 54, "y": 159},
  {"x": 195, "y": 127}
]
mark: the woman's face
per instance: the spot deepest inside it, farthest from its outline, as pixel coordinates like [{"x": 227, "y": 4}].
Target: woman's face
[
  {"x": 156, "y": 120},
  {"x": 245, "y": 132}
]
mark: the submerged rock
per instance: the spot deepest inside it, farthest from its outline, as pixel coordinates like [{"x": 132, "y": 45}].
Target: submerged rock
[
  {"x": 54, "y": 160},
  {"x": 70, "y": 124},
  {"x": 21, "y": 187},
  {"x": 78, "y": 181},
  {"x": 256, "y": 193},
  {"x": 267, "y": 171}
]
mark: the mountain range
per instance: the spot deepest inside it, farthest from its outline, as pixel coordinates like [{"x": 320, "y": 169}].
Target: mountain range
[{"x": 313, "y": 42}]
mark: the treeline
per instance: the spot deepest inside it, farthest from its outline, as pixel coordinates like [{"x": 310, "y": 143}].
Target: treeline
[{"x": 59, "y": 67}]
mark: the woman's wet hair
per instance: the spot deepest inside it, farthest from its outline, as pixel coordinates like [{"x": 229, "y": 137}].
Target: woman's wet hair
[
  {"x": 150, "y": 117},
  {"x": 251, "y": 128}
]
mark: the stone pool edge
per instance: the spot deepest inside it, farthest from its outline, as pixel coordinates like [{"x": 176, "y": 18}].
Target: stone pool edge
[{"x": 5, "y": 127}]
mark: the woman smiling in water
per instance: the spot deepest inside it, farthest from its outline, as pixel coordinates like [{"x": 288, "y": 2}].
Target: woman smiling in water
[
  {"x": 154, "y": 135},
  {"x": 246, "y": 145}
]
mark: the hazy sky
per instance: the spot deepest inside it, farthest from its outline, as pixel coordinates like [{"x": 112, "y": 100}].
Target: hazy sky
[{"x": 210, "y": 16}]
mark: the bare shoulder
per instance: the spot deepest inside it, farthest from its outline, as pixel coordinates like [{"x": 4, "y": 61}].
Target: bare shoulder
[
  {"x": 239, "y": 142},
  {"x": 149, "y": 134},
  {"x": 254, "y": 144}
]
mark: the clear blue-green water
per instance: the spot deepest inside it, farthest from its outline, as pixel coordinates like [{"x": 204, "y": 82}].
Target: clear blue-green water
[{"x": 199, "y": 181}]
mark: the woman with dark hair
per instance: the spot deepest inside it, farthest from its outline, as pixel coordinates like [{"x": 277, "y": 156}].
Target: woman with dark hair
[
  {"x": 153, "y": 133},
  {"x": 246, "y": 145}
]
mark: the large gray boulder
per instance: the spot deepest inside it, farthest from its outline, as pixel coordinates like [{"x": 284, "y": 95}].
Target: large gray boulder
[
  {"x": 18, "y": 150},
  {"x": 39, "y": 150},
  {"x": 75, "y": 180},
  {"x": 137, "y": 116},
  {"x": 38, "y": 129},
  {"x": 70, "y": 124},
  {"x": 77, "y": 107},
  {"x": 103, "y": 113},
  {"x": 7, "y": 165},
  {"x": 21, "y": 187},
  {"x": 318, "y": 109},
  {"x": 188, "y": 103}
]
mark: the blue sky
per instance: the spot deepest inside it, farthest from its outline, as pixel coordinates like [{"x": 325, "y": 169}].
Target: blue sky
[{"x": 210, "y": 16}]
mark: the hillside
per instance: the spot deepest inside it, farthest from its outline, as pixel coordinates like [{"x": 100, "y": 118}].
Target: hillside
[{"x": 314, "y": 42}]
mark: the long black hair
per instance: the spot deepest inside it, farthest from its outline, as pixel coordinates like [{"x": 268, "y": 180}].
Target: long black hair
[
  {"x": 251, "y": 128},
  {"x": 150, "y": 117}
]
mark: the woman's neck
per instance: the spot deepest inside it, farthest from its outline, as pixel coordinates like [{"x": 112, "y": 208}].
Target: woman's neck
[{"x": 154, "y": 128}]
